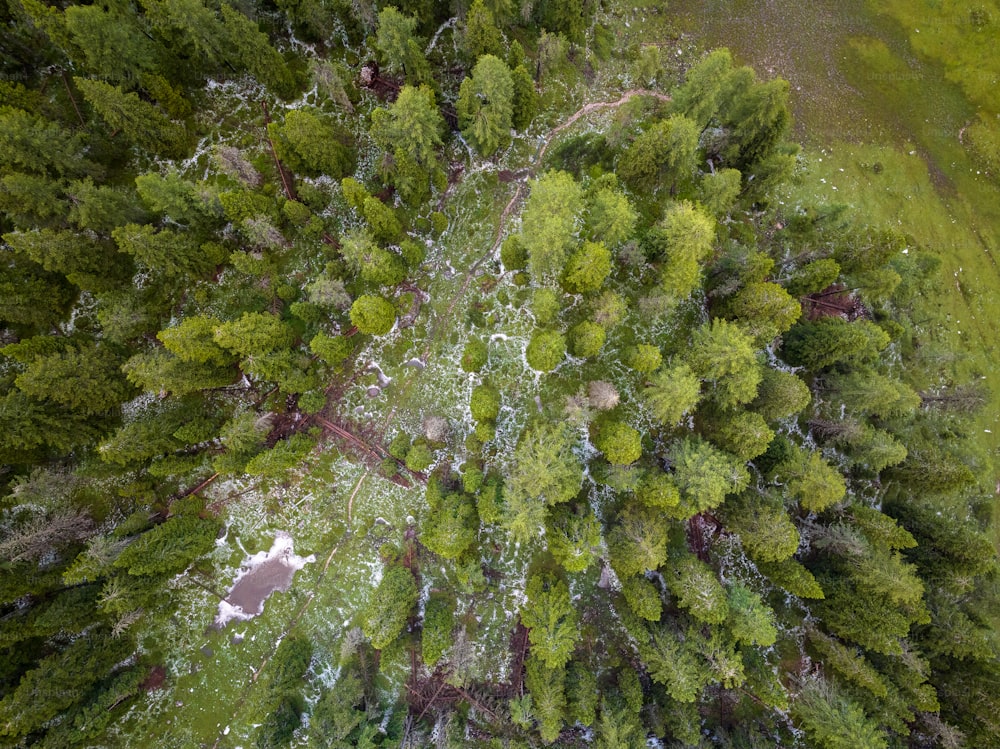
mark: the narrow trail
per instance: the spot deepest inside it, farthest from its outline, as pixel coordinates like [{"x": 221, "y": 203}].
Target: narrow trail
[{"x": 435, "y": 331}]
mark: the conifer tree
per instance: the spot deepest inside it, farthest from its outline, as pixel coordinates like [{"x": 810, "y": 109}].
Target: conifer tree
[{"x": 141, "y": 122}]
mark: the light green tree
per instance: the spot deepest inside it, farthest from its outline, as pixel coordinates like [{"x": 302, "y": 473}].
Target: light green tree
[
  {"x": 722, "y": 355},
  {"x": 546, "y": 350},
  {"x": 550, "y": 224},
  {"x": 620, "y": 443},
  {"x": 638, "y": 541},
  {"x": 373, "y": 315},
  {"x": 662, "y": 156},
  {"x": 551, "y": 620},
  {"x": 485, "y": 105},
  {"x": 587, "y": 268},
  {"x": 705, "y": 474},
  {"x": 671, "y": 393}
]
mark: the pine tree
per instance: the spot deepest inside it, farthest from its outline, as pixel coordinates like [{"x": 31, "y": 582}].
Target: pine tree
[
  {"x": 549, "y": 223},
  {"x": 253, "y": 51},
  {"x": 389, "y": 606},
  {"x": 551, "y": 619},
  {"x": 141, "y": 122},
  {"x": 671, "y": 393},
  {"x": 587, "y": 268},
  {"x": 661, "y": 157},
  {"x": 485, "y": 105}
]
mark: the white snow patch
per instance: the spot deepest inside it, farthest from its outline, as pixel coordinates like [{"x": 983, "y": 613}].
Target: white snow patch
[{"x": 276, "y": 566}]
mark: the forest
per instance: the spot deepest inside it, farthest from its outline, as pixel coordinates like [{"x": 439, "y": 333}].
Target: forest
[{"x": 592, "y": 435}]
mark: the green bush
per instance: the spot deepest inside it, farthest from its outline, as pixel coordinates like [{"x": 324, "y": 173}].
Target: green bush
[
  {"x": 513, "y": 254},
  {"x": 475, "y": 355},
  {"x": 485, "y": 403},
  {"x": 620, "y": 443},
  {"x": 546, "y": 350},
  {"x": 586, "y": 339},
  {"x": 373, "y": 315},
  {"x": 645, "y": 358},
  {"x": 419, "y": 456}
]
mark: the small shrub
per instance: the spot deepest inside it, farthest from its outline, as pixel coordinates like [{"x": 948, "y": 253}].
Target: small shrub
[
  {"x": 620, "y": 443},
  {"x": 485, "y": 404},
  {"x": 546, "y": 350}
]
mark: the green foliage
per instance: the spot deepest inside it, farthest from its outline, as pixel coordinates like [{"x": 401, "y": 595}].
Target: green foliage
[
  {"x": 373, "y": 315},
  {"x": 780, "y": 394},
  {"x": 658, "y": 489},
  {"x": 475, "y": 355},
  {"x": 547, "y": 690},
  {"x": 764, "y": 528},
  {"x": 586, "y": 339},
  {"x": 812, "y": 481},
  {"x": 439, "y": 621},
  {"x": 587, "y": 268},
  {"x": 684, "y": 239},
  {"x": 793, "y": 577},
  {"x": 645, "y": 358},
  {"x": 829, "y": 340},
  {"x": 374, "y": 264},
  {"x": 140, "y": 121},
  {"x": 513, "y": 253},
  {"x": 546, "y": 350},
  {"x": 643, "y": 598},
  {"x": 169, "y": 548},
  {"x": 750, "y": 620},
  {"x": 451, "y": 528},
  {"x": 172, "y": 253},
  {"x": 671, "y": 393},
  {"x": 675, "y": 665},
  {"x": 698, "y": 590},
  {"x": 86, "y": 379},
  {"x": 254, "y": 334},
  {"x": 193, "y": 340},
  {"x": 719, "y": 191},
  {"x": 765, "y": 308},
  {"x": 400, "y": 50},
  {"x": 485, "y": 403},
  {"x": 705, "y": 474},
  {"x": 573, "y": 536},
  {"x": 525, "y": 98},
  {"x": 745, "y": 434},
  {"x": 620, "y": 443},
  {"x": 412, "y": 124},
  {"x": 482, "y": 37},
  {"x": 551, "y": 620},
  {"x": 485, "y": 105},
  {"x": 312, "y": 144},
  {"x": 334, "y": 350},
  {"x": 544, "y": 471},
  {"x": 722, "y": 355},
  {"x": 661, "y": 156},
  {"x": 384, "y": 617},
  {"x": 281, "y": 458},
  {"x": 638, "y": 541},
  {"x": 834, "y": 722},
  {"x": 549, "y": 223}
]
